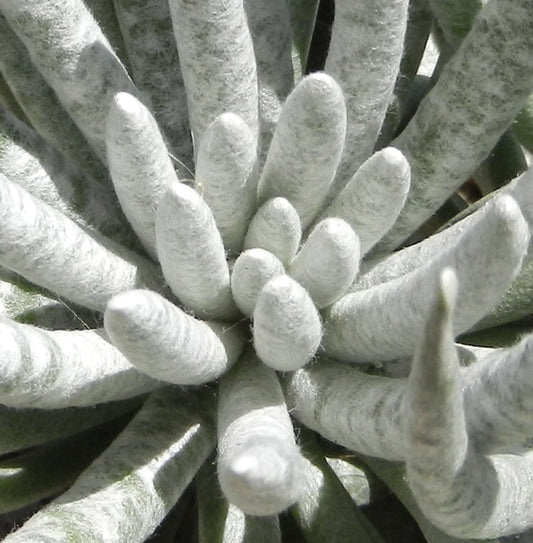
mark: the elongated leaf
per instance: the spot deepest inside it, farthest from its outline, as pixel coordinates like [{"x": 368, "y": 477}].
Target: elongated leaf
[
  {"x": 139, "y": 477},
  {"x": 48, "y": 470}
]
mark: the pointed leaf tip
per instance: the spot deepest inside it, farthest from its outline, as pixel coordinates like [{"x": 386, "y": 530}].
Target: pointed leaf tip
[{"x": 448, "y": 287}]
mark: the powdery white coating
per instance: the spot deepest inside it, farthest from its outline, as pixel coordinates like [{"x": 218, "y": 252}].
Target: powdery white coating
[
  {"x": 147, "y": 30},
  {"x": 28, "y": 160},
  {"x": 276, "y": 228},
  {"x": 391, "y": 266},
  {"x": 433, "y": 405},
  {"x": 241, "y": 528},
  {"x": 354, "y": 478},
  {"x": 129, "y": 489},
  {"x": 306, "y": 147},
  {"x": 521, "y": 189},
  {"x": 41, "y": 105},
  {"x": 164, "y": 342},
  {"x": 24, "y": 302},
  {"x": 50, "y": 250},
  {"x": 498, "y": 399},
  {"x": 251, "y": 272},
  {"x": 74, "y": 57},
  {"x": 225, "y": 172},
  {"x": 326, "y": 511},
  {"x": 381, "y": 323},
  {"x": 20, "y": 304},
  {"x": 192, "y": 254},
  {"x": 223, "y": 522},
  {"x": 374, "y": 196},
  {"x": 487, "y": 497},
  {"x": 464, "y": 493},
  {"x": 455, "y": 18},
  {"x": 358, "y": 411},
  {"x": 364, "y": 412},
  {"x": 53, "y": 369},
  {"x": 139, "y": 164},
  {"x": 386, "y": 268},
  {"x": 259, "y": 465},
  {"x": 327, "y": 262},
  {"x": 364, "y": 58},
  {"x": 286, "y": 328},
  {"x": 105, "y": 15},
  {"x": 417, "y": 32},
  {"x": 217, "y": 62},
  {"x": 461, "y": 119},
  {"x": 272, "y": 38},
  {"x": 515, "y": 303}
]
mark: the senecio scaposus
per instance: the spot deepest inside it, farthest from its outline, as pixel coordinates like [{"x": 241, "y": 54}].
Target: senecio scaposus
[{"x": 233, "y": 287}]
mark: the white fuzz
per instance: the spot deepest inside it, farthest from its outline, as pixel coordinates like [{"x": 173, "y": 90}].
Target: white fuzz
[
  {"x": 276, "y": 228},
  {"x": 455, "y": 18},
  {"x": 397, "y": 264},
  {"x": 164, "y": 342},
  {"x": 226, "y": 176},
  {"x": 241, "y": 528},
  {"x": 498, "y": 399},
  {"x": 28, "y": 160},
  {"x": 271, "y": 31},
  {"x": 52, "y": 369},
  {"x": 287, "y": 328},
  {"x": 328, "y": 261},
  {"x": 40, "y": 103},
  {"x": 20, "y": 304},
  {"x": 74, "y": 57},
  {"x": 146, "y": 28},
  {"x": 364, "y": 57},
  {"x": 269, "y": 208},
  {"x": 191, "y": 253},
  {"x": 306, "y": 146},
  {"x": 417, "y": 32},
  {"x": 435, "y": 429},
  {"x": 464, "y": 493},
  {"x": 433, "y": 404},
  {"x": 521, "y": 189},
  {"x": 49, "y": 249},
  {"x": 325, "y": 508},
  {"x": 251, "y": 272},
  {"x": 358, "y": 411},
  {"x": 515, "y": 303},
  {"x": 129, "y": 489},
  {"x": 381, "y": 323},
  {"x": 364, "y": 412},
  {"x": 217, "y": 62},
  {"x": 517, "y": 300},
  {"x": 139, "y": 163},
  {"x": 355, "y": 479},
  {"x": 374, "y": 196},
  {"x": 462, "y": 118},
  {"x": 259, "y": 464},
  {"x": 223, "y": 522}
]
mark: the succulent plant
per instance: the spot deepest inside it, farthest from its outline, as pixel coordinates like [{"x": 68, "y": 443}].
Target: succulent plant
[{"x": 236, "y": 296}]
